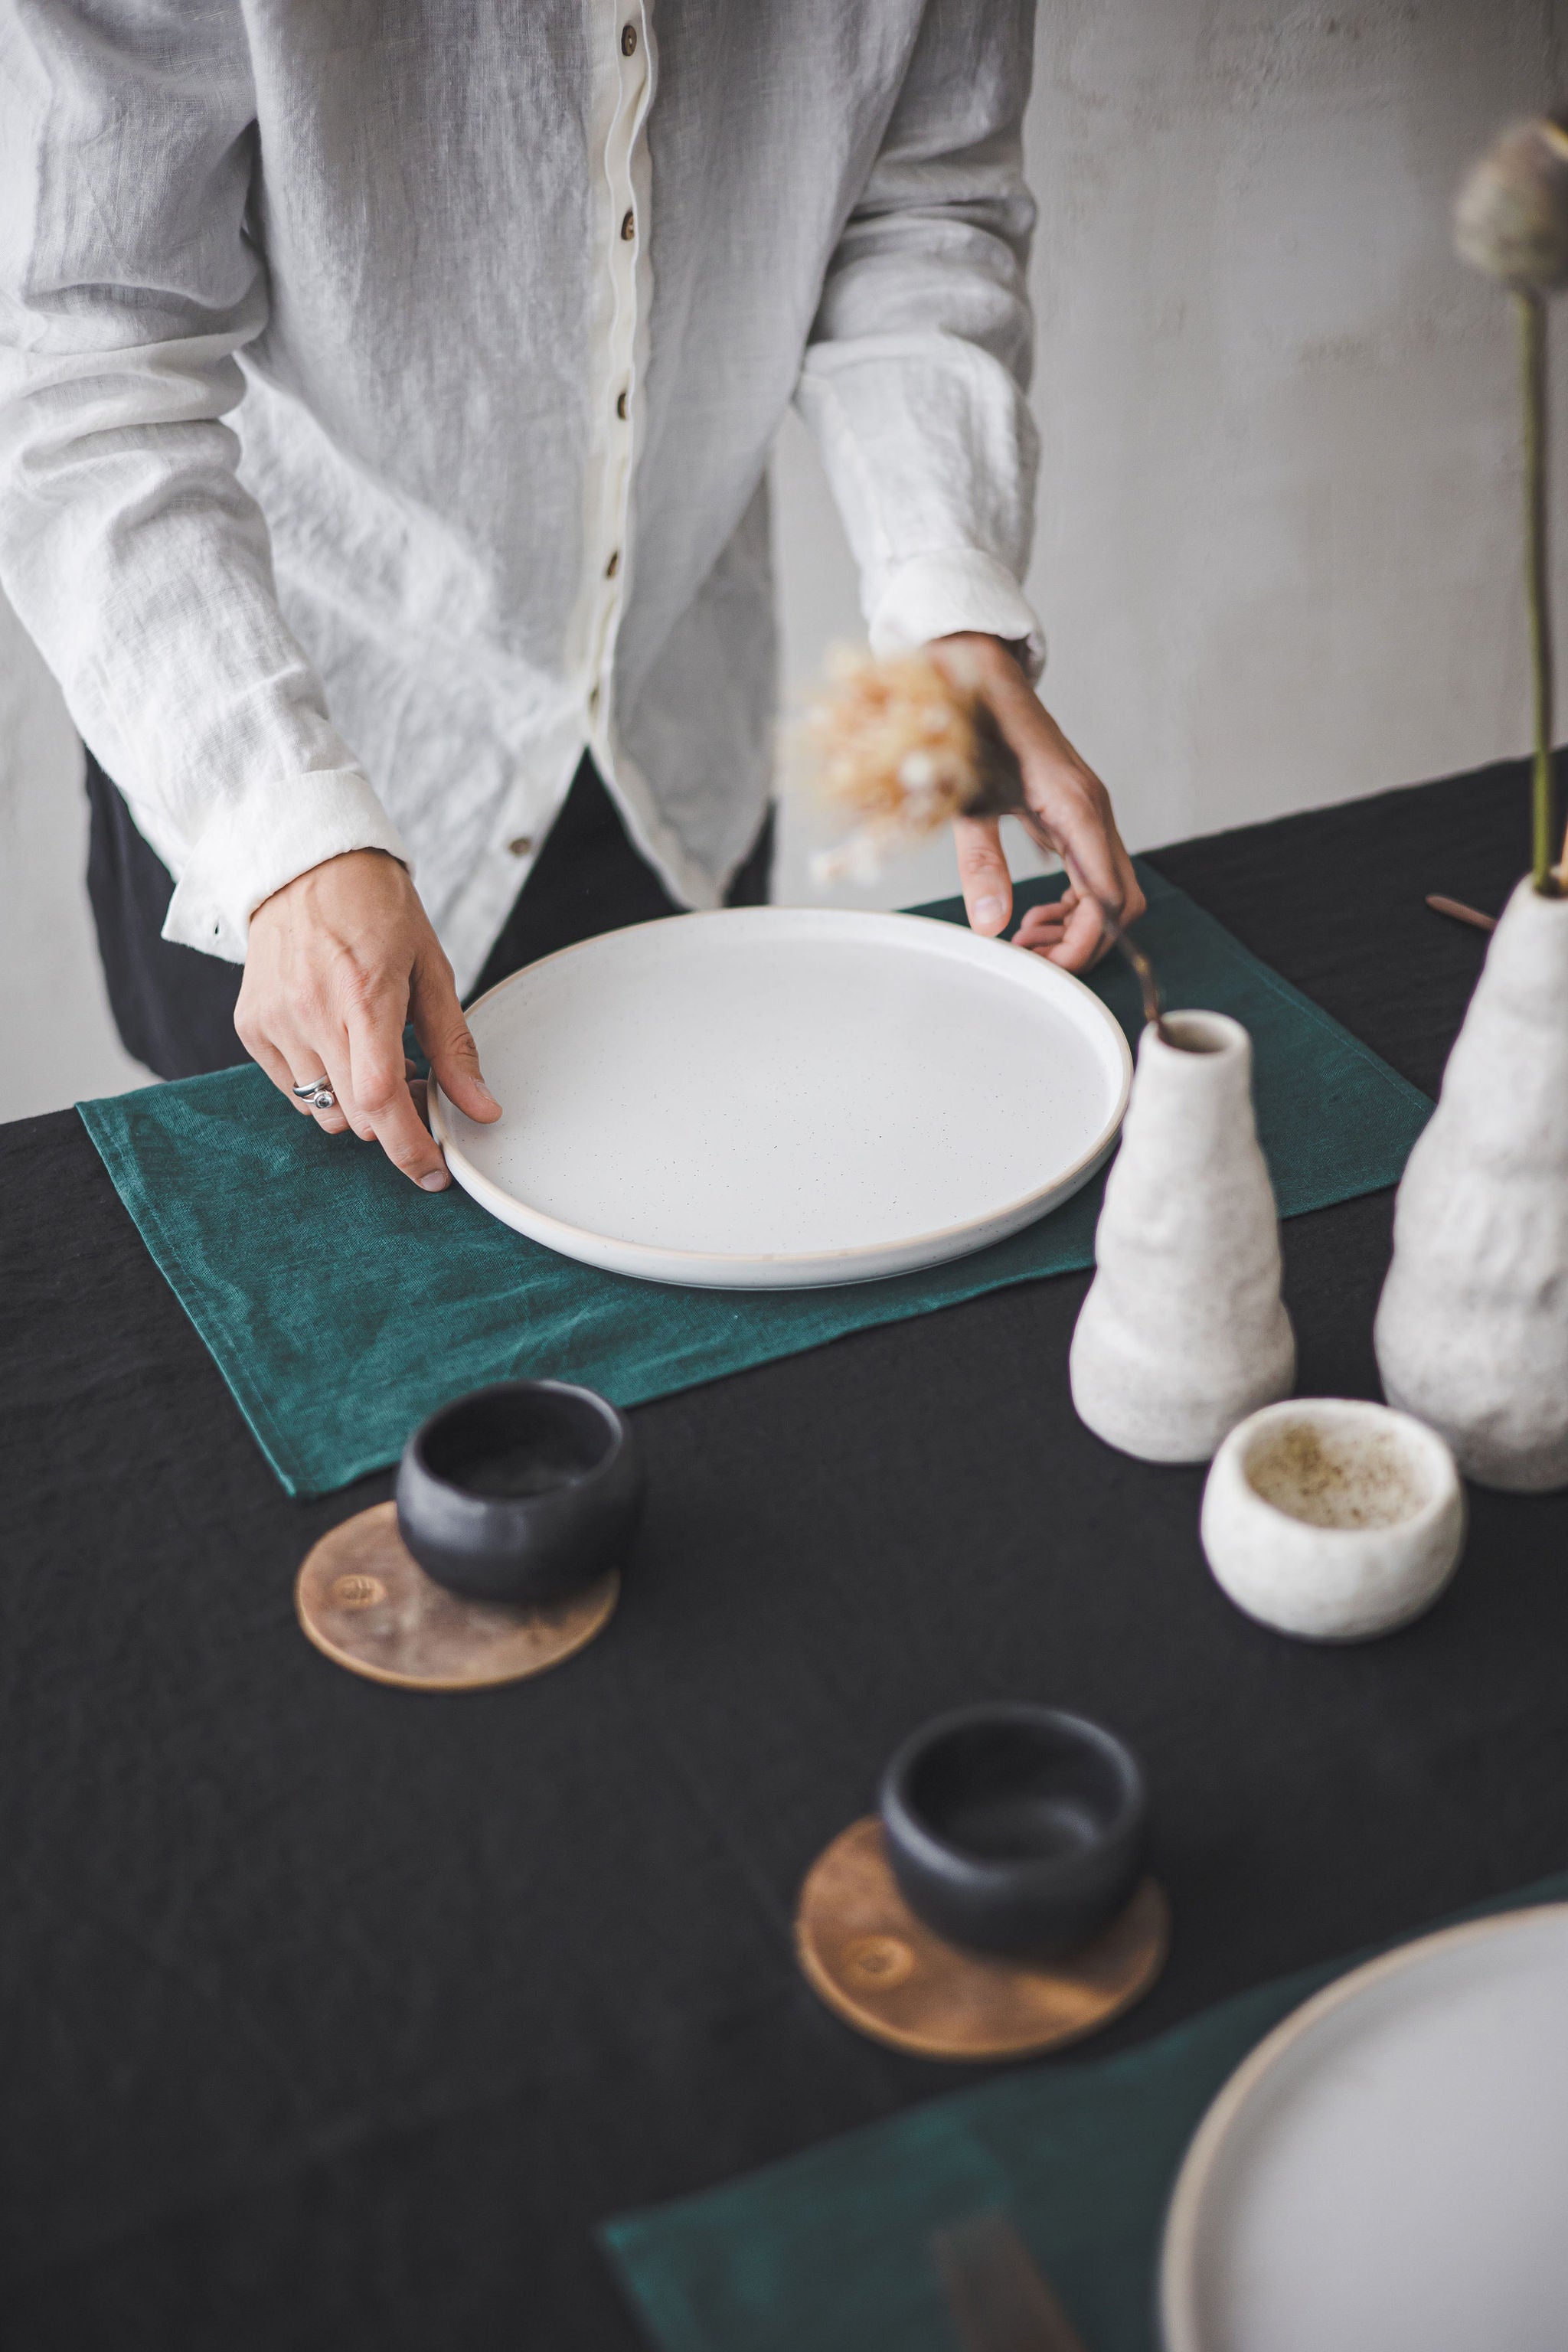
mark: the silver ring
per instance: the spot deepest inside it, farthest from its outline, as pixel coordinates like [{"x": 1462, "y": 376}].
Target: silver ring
[{"x": 317, "y": 1093}]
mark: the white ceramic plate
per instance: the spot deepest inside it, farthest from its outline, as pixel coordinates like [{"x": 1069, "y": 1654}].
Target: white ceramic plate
[
  {"x": 772, "y": 1096},
  {"x": 1388, "y": 2171}
]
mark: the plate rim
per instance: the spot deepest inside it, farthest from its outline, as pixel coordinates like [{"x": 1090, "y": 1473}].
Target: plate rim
[
  {"x": 659, "y": 1260},
  {"x": 1177, "y": 2314}
]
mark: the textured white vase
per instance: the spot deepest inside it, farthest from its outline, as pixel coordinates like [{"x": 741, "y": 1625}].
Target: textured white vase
[
  {"x": 1184, "y": 1331},
  {"x": 1472, "y": 1329}
]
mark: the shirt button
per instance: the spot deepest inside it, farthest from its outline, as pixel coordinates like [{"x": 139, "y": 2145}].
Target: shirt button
[
  {"x": 621, "y": 405},
  {"x": 629, "y": 40},
  {"x": 614, "y": 565},
  {"x": 629, "y": 227},
  {"x": 521, "y": 845}
]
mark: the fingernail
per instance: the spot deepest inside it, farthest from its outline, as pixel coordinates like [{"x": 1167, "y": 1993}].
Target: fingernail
[
  {"x": 989, "y": 910},
  {"x": 486, "y": 1092},
  {"x": 437, "y": 1181}
]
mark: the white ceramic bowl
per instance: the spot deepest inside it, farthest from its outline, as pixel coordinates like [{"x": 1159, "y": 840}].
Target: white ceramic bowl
[{"x": 1332, "y": 1519}]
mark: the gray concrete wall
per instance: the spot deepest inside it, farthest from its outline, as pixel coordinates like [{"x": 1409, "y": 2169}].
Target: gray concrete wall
[{"x": 1278, "y": 553}]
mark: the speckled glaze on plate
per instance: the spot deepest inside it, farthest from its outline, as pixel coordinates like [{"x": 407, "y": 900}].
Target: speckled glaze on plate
[{"x": 769, "y": 1098}]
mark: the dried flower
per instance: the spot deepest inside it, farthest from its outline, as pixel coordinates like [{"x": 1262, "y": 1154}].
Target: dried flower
[
  {"x": 898, "y": 748},
  {"x": 1512, "y": 216}
]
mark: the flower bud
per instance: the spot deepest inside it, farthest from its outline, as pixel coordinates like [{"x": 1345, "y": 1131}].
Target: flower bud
[{"x": 1510, "y": 218}]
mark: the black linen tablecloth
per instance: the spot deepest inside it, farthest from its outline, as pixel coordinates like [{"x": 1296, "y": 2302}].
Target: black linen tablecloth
[{"x": 336, "y": 2016}]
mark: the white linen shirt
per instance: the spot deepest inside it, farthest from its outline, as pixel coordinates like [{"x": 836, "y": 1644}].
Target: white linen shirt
[{"x": 419, "y": 365}]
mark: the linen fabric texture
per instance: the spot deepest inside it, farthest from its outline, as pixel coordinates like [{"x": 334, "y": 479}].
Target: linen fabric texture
[
  {"x": 344, "y": 1305},
  {"x": 385, "y": 400}
]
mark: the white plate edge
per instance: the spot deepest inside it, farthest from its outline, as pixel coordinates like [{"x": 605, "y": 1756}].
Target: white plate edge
[
  {"x": 941, "y": 935},
  {"x": 642, "y": 1262},
  {"x": 1177, "y": 2319}
]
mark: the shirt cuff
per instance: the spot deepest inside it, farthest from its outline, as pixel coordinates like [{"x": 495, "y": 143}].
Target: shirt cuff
[
  {"x": 254, "y": 844},
  {"x": 937, "y": 595}
]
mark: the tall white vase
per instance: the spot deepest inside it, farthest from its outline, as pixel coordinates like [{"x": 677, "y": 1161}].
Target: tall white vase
[
  {"x": 1184, "y": 1332},
  {"x": 1472, "y": 1329}
]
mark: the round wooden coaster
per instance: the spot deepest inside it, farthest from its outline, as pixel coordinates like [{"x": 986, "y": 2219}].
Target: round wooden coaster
[
  {"x": 365, "y": 1602},
  {"x": 867, "y": 1957}
]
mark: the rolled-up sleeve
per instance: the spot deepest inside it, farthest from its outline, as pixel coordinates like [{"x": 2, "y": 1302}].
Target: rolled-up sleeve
[
  {"x": 917, "y": 371},
  {"x": 129, "y": 281}
]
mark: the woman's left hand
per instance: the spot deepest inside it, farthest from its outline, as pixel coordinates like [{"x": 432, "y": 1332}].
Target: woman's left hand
[{"x": 1072, "y": 812}]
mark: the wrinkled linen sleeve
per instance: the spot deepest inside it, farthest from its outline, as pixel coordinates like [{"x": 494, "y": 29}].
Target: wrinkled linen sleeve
[
  {"x": 129, "y": 281},
  {"x": 916, "y": 372}
]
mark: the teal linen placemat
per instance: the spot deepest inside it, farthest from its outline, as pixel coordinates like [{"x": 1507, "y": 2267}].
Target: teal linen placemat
[
  {"x": 342, "y": 1305},
  {"x": 829, "y": 2252}
]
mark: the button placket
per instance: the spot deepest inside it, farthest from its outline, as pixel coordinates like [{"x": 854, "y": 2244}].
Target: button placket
[{"x": 624, "y": 132}]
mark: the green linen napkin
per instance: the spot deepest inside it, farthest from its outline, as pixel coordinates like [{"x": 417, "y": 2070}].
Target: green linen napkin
[
  {"x": 829, "y": 2252},
  {"x": 342, "y": 1305}
]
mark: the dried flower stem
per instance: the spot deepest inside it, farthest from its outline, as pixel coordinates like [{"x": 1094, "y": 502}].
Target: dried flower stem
[
  {"x": 1143, "y": 971},
  {"x": 1531, "y": 310},
  {"x": 1153, "y": 1006}
]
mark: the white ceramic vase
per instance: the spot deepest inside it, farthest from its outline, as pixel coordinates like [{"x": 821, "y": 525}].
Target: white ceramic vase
[
  {"x": 1184, "y": 1331},
  {"x": 1472, "y": 1328}
]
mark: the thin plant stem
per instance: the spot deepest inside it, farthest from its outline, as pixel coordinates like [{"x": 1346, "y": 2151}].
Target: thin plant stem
[
  {"x": 1536, "y": 583},
  {"x": 1153, "y": 1006},
  {"x": 1142, "y": 970}
]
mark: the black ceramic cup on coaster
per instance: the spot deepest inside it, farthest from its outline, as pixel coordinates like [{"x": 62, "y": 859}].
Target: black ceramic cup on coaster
[
  {"x": 1014, "y": 1830},
  {"x": 525, "y": 1491}
]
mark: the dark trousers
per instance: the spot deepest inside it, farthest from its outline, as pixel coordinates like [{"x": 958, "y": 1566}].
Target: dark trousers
[{"x": 175, "y": 1008}]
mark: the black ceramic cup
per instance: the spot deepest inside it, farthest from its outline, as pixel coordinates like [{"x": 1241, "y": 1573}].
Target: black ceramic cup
[
  {"x": 524, "y": 1492},
  {"x": 1014, "y": 1830}
]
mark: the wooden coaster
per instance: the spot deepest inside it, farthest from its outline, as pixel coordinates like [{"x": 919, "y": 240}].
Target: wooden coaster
[
  {"x": 366, "y": 1603},
  {"x": 867, "y": 1957}
]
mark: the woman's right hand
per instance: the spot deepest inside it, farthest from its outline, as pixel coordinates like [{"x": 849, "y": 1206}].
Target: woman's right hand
[{"x": 338, "y": 961}]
